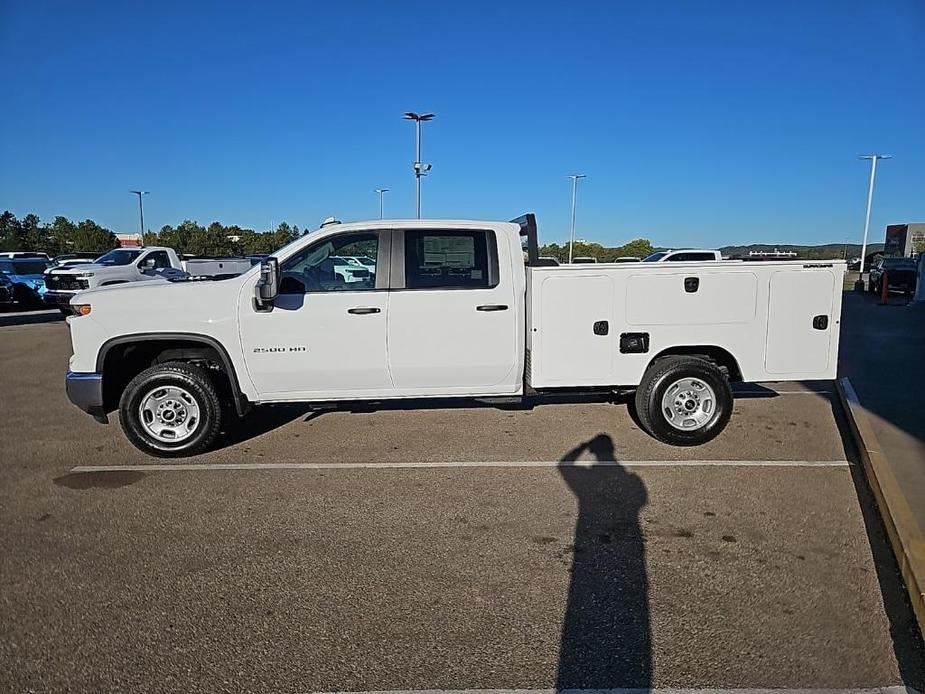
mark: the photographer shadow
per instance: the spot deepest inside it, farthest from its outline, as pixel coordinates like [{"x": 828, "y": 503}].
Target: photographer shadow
[{"x": 606, "y": 639}]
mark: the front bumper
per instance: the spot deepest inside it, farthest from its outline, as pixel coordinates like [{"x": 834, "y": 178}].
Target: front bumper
[
  {"x": 86, "y": 391},
  {"x": 56, "y": 298}
]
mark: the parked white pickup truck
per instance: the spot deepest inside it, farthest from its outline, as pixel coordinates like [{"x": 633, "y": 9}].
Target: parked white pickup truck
[
  {"x": 680, "y": 255},
  {"x": 455, "y": 309},
  {"x": 118, "y": 266}
]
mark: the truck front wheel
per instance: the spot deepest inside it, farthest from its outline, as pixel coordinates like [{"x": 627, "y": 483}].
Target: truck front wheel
[
  {"x": 171, "y": 410},
  {"x": 684, "y": 401}
]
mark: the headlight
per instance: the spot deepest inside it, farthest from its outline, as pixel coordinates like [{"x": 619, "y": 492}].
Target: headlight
[
  {"x": 81, "y": 309},
  {"x": 85, "y": 274}
]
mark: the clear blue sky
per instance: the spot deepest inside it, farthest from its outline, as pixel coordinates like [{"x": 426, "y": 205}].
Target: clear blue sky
[{"x": 697, "y": 123}]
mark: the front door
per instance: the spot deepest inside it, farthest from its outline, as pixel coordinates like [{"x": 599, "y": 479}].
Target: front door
[
  {"x": 452, "y": 318},
  {"x": 326, "y": 335}
]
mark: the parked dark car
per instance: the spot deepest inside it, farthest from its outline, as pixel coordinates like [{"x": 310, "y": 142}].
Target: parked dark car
[
  {"x": 27, "y": 278},
  {"x": 900, "y": 274},
  {"x": 6, "y": 290}
]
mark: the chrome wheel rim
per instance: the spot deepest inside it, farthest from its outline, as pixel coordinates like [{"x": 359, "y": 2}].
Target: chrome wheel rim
[
  {"x": 689, "y": 404},
  {"x": 169, "y": 414}
]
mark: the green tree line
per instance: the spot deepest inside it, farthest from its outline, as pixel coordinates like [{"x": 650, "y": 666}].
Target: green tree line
[
  {"x": 219, "y": 240},
  {"x": 64, "y": 236},
  {"x": 639, "y": 248},
  {"x": 54, "y": 238}
]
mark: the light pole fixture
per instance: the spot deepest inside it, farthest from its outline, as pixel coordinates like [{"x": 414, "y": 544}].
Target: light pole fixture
[
  {"x": 575, "y": 178},
  {"x": 870, "y": 199},
  {"x": 141, "y": 210},
  {"x": 381, "y": 191},
  {"x": 420, "y": 168}
]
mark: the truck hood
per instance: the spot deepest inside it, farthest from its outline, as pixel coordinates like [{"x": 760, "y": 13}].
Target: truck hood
[
  {"x": 79, "y": 269},
  {"x": 158, "y": 290}
]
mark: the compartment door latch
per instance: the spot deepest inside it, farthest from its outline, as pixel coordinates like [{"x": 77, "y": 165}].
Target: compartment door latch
[{"x": 634, "y": 343}]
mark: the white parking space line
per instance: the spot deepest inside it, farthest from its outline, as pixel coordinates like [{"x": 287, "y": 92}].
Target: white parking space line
[
  {"x": 37, "y": 312},
  {"x": 199, "y": 467},
  {"x": 771, "y": 392},
  {"x": 631, "y": 690}
]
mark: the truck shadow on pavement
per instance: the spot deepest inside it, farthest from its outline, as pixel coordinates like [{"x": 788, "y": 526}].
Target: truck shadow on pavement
[{"x": 606, "y": 637}]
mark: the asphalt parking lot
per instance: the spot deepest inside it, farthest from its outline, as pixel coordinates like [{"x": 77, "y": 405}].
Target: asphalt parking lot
[{"x": 439, "y": 549}]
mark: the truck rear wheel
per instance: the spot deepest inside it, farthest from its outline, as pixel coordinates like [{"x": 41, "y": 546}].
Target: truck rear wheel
[
  {"x": 684, "y": 401},
  {"x": 171, "y": 410}
]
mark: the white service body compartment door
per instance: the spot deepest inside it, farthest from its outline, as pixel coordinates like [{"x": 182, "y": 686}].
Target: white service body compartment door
[
  {"x": 795, "y": 343},
  {"x": 453, "y": 339},
  {"x": 318, "y": 345},
  {"x": 570, "y": 353}
]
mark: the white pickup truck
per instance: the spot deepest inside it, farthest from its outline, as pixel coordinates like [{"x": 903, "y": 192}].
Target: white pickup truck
[
  {"x": 454, "y": 309},
  {"x": 118, "y": 266}
]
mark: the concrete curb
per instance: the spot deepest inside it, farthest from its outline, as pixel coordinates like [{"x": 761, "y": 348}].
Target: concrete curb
[{"x": 905, "y": 534}]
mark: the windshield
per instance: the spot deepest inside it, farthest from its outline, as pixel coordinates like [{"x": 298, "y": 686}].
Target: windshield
[
  {"x": 119, "y": 256},
  {"x": 366, "y": 261},
  {"x": 24, "y": 267},
  {"x": 655, "y": 257}
]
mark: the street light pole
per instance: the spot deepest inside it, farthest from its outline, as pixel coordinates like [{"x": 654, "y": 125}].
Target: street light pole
[
  {"x": 141, "y": 210},
  {"x": 381, "y": 191},
  {"x": 571, "y": 244},
  {"x": 870, "y": 199},
  {"x": 420, "y": 168}
]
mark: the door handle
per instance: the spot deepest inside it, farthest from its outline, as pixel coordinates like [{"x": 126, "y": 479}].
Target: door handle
[
  {"x": 363, "y": 311},
  {"x": 492, "y": 307}
]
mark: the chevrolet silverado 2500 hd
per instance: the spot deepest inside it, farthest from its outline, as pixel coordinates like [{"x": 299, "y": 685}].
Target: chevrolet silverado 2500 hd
[
  {"x": 118, "y": 266},
  {"x": 454, "y": 309}
]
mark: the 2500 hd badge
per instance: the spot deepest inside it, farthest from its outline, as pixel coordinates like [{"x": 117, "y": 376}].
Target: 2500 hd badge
[{"x": 269, "y": 350}]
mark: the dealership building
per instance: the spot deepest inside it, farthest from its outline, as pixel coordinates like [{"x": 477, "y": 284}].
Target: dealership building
[{"x": 904, "y": 239}]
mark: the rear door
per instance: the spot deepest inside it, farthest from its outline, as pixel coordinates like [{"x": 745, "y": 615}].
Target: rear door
[
  {"x": 801, "y": 322},
  {"x": 452, "y": 313}
]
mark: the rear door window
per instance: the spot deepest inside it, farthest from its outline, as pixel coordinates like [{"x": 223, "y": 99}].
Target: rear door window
[{"x": 452, "y": 259}]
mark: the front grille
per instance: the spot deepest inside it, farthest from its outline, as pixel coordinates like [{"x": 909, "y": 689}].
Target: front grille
[{"x": 67, "y": 283}]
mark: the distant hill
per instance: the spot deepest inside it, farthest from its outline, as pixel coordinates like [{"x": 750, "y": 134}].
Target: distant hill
[{"x": 826, "y": 251}]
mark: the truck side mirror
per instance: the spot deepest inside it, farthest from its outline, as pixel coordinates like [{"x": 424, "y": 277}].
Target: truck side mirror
[
  {"x": 267, "y": 287},
  {"x": 148, "y": 264}
]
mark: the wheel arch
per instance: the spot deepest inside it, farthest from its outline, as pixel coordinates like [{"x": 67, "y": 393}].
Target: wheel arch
[
  {"x": 124, "y": 356},
  {"x": 720, "y": 356}
]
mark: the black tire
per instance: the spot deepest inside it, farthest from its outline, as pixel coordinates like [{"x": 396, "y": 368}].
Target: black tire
[
  {"x": 656, "y": 381},
  {"x": 197, "y": 384},
  {"x": 26, "y": 298}
]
